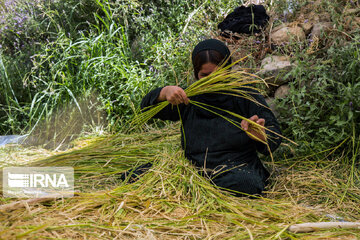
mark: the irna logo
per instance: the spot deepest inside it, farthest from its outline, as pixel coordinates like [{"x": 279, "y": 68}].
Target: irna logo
[{"x": 37, "y": 180}]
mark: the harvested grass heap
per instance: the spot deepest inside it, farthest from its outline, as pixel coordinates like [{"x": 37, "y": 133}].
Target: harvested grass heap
[{"x": 171, "y": 201}]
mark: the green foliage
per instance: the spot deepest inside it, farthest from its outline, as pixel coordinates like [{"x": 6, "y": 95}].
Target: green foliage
[
  {"x": 120, "y": 50},
  {"x": 26, "y": 29},
  {"x": 286, "y": 8},
  {"x": 99, "y": 63},
  {"x": 323, "y": 107}
]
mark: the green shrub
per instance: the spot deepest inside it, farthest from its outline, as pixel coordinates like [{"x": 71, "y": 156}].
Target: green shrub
[
  {"x": 323, "y": 106},
  {"x": 25, "y": 27},
  {"x": 120, "y": 50}
]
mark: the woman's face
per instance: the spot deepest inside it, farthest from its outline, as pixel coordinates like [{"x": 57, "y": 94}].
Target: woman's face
[{"x": 206, "y": 69}]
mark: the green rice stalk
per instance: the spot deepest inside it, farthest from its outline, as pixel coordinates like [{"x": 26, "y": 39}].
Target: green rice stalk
[{"x": 221, "y": 81}]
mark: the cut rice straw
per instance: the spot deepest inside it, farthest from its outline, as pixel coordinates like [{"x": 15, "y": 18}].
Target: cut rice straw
[{"x": 173, "y": 201}]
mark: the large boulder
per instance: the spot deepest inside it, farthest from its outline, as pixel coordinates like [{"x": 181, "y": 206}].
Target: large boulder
[
  {"x": 287, "y": 34},
  {"x": 282, "y": 91},
  {"x": 275, "y": 68},
  {"x": 321, "y": 27}
]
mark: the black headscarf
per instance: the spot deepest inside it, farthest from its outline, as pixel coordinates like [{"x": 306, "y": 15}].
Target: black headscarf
[{"x": 212, "y": 44}]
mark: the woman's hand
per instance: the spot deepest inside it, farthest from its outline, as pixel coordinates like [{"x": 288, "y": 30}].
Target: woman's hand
[
  {"x": 253, "y": 130},
  {"x": 174, "y": 95}
]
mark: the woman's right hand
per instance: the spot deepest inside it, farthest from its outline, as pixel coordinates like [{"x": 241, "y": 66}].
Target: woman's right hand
[{"x": 174, "y": 95}]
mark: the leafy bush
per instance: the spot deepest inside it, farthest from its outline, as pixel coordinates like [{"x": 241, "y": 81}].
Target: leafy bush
[
  {"x": 323, "y": 109},
  {"x": 25, "y": 27},
  {"x": 120, "y": 51}
]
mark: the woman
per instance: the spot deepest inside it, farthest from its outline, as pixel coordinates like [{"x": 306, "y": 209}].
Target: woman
[{"x": 227, "y": 153}]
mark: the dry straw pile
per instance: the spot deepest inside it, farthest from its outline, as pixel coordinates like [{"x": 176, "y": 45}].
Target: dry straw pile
[{"x": 172, "y": 201}]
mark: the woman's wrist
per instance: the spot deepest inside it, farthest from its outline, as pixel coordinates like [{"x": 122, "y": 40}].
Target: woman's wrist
[{"x": 162, "y": 95}]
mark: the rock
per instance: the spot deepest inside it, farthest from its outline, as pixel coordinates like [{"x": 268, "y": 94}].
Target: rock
[
  {"x": 287, "y": 34},
  {"x": 282, "y": 91},
  {"x": 276, "y": 67},
  {"x": 271, "y": 102},
  {"x": 321, "y": 27},
  {"x": 272, "y": 59},
  {"x": 283, "y": 25}
]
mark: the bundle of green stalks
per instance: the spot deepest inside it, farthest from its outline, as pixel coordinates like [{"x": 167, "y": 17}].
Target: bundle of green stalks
[{"x": 172, "y": 201}]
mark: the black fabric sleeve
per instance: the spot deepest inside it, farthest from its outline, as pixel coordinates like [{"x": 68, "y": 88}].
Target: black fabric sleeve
[
  {"x": 270, "y": 123},
  {"x": 170, "y": 112}
]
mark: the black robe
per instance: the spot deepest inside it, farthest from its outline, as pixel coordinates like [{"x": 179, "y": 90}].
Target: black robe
[{"x": 224, "y": 150}]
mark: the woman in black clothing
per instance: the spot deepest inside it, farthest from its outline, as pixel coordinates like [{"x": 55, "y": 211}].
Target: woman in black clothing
[{"x": 227, "y": 154}]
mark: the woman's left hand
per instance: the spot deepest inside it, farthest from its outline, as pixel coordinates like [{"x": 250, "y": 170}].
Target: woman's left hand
[{"x": 252, "y": 131}]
